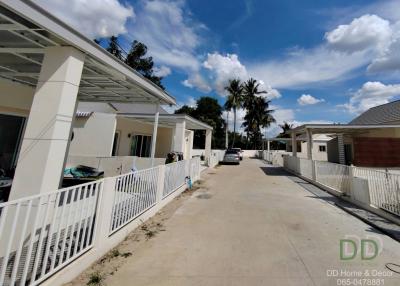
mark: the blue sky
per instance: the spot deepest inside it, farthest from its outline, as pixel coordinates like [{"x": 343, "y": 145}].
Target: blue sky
[{"x": 320, "y": 61}]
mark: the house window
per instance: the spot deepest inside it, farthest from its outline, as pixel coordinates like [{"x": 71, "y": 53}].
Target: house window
[
  {"x": 322, "y": 148},
  {"x": 141, "y": 145},
  {"x": 115, "y": 143},
  {"x": 11, "y": 129}
]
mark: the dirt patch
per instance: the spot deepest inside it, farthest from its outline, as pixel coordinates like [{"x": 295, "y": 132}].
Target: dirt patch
[
  {"x": 204, "y": 196},
  {"x": 109, "y": 264}
]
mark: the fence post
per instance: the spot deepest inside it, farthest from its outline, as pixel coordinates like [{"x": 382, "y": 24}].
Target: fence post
[
  {"x": 160, "y": 183},
  {"x": 314, "y": 170},
  {"x": 104, "y": 211},
  {"x": 351, "y": 181}
]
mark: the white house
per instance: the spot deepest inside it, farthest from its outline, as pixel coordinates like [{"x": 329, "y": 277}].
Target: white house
[
  {"x": 121, "y": 135},
  {"x": 46, "y": 68}
]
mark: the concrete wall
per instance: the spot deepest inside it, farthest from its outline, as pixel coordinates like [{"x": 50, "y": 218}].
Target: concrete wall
[
  {"x": 93, "y": 135},
  {"x": 15, "y": 99}
]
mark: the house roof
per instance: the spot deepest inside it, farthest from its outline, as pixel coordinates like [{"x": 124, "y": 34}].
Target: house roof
[
  {"x": 168, "y": 120},
  {"x": 383, "y": 114},
  {"x": 340, "y": 128},
  {"x": 26, "y": 30}
]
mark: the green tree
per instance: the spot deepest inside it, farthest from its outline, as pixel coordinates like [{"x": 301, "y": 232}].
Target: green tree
[
  {"x": 234, "y": 101},
  {"x": 209, "y": 111},
  {"x": 137, "y": 60},
  {"x": 250, "y": 93},
  {"x": 257, "y": 117},
  {"x": 285, "y": 128},
  {"x": 113, "y": 47}
]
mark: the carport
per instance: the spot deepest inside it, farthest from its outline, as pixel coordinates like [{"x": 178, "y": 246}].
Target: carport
[{"x": 57, "y": 67}]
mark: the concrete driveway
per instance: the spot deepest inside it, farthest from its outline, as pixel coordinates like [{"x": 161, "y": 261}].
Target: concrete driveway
[{"x": 252, "y": 225}]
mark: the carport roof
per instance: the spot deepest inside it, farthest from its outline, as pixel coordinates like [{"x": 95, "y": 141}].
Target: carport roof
[
  {"x": 26, "y": 30},
  {"x": 168, "y": 120},
  {"x": 339, "y": 128}
]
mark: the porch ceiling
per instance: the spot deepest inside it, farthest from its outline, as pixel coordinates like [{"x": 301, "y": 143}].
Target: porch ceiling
[
  {"x": 168, "y": 120},
  {"x": 26, "y": 30}
]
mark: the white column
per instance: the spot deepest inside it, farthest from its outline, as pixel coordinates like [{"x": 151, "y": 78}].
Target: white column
[
  {"x": 268, "y": 145},
  {"x": 179, "y": 136},
  {"x": 309, "y": 144},
  {"x": 47, "y": 133},
  {"x": 207, "y": 150},
  {"x": 191, "y": 136},
  {"x": 154, "y": 137},
  {"x": 342, "y": 156},
  {"x": 294, "y": 145}
]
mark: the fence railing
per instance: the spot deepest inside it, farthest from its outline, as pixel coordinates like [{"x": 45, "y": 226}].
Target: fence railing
[
  {"x": 40, "y": 235},
  {"x": 177, "y": 173},
  {"x": 382, "y": 188},
  {"x": 333, "y": 175},
  {"x": 134, "y": 194}
]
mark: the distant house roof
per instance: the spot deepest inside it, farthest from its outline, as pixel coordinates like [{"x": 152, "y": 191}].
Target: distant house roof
[{"x": 383, "y": 114}]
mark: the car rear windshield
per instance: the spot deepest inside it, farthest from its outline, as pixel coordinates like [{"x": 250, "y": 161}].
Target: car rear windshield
[{"x": 231, "y": 152}]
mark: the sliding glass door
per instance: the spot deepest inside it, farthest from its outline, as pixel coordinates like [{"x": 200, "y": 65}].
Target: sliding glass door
[{"x": 141, "y": 145}]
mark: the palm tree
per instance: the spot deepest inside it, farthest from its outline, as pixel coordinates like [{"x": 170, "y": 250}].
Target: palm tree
[
  {"x": 285, "y": 128},
  {"x": 257, "y": 117},
  {"x": 234, "y": 101},
  {"x": 250, "y": 92}
]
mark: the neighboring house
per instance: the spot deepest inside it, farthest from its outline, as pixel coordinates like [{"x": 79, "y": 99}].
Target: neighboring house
[
  {"x": 370, "y": 140},
  {"x": 120, "y": 130},
  {"x": 319, "y": 147},
  {"x": 46, "y": 68}
]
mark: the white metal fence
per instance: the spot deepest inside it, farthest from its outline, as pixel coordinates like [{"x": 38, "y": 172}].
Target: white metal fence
[
  {"x": 39, "y": 235},
  {"x": 333, "y": 175},
  {"x": 382, "y": 188},
  {"x": 177, "y": 173},
  {"x": 134, "y": 193}
]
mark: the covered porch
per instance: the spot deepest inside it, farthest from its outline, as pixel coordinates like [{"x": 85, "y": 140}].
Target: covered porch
[
  {"x": 46, "y": 68},
  {"x": 369, "y": 145}
]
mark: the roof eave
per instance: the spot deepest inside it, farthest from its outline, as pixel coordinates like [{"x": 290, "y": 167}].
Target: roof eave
[{"x": 41, "y": 17}]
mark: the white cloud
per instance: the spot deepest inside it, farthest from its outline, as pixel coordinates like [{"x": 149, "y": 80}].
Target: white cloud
[
  {"x": 240, "y": 113},
  {"x": 197, "y": 81},
  {"x": 162, "y": 71},
  {"x": 368, "y": 40},
  {"x": 225, "y": 68},
  {"x": 307, "y": 99},
  {"x": 95, "y": 18},
  {"x": 169, "y": 32},
  {"x": 389, "y": 58},
  {"x": 365, "y": 32},
  {"x": 372, "y": 94},
  {"x": 301, "y": 67}
]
